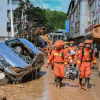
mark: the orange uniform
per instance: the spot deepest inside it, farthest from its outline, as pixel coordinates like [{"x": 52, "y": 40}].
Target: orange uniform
[
  {"x": 59, "y": 62},
  {"x": 77, "y": 55},
  {"x": 67, "y": 54},
  {"x": 49, "y": 54},
  {"x": 73, "y": 56},
  {"x": 84, "y": 63},
  {"x": 47, "y": 49}
]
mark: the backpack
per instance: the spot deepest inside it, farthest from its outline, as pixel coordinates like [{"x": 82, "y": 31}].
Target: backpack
[{"x": 90, "y": 53}]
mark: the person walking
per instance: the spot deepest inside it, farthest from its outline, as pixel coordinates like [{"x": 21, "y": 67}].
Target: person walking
[
  {"x": 84, "y": 63},
  {"x": 59, "y": 63}
]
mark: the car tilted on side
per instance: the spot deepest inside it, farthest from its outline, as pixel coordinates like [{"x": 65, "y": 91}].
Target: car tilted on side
[{"x": 19, "y": 58}]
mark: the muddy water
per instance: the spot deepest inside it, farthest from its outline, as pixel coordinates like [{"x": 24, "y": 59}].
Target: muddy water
[{"x": 44, "y": 88}]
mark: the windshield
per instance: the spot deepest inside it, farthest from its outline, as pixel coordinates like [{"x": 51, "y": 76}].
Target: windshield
[{"x": 21, "y": 50}]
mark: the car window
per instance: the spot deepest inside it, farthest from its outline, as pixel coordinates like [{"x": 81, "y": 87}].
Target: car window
[{"x": 21, "y": 50}]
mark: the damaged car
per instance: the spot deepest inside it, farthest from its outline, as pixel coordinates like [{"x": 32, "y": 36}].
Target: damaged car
[{"x": 19, "y": 58}]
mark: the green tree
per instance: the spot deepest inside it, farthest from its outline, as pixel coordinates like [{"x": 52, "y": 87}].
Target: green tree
[{"x": 27, "y": 16}]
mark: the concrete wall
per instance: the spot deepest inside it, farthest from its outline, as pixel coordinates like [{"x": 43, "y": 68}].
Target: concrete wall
[
  {"x": 3, "y": 17},
  {"x": 4, "y": 6},
  {"x": 83, "y": 16}
]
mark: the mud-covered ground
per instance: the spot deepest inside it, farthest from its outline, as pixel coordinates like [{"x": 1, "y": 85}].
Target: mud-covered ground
[{"x": 44, "y": 88}]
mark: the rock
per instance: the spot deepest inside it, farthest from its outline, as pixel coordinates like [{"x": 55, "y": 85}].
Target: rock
[
  {"x": 3, "y": 88},
  {"x": 21, "y": 86}
]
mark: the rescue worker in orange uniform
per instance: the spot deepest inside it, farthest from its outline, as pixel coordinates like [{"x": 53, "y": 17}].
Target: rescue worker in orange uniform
[
  {"x": 49, "y": 53},
  {"x": 81, "y": 46},
  {"x": 84, "y": 63},
  {"x": 72, "y": 49},
  {"x": 59, "y": 63},
  {"x": 65, "y": 50},
  {"x": 48, "y": 47}
]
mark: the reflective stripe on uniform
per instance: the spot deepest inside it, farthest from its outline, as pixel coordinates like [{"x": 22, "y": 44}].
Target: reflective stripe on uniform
[
  {"x": 60, "y": 54},
  {"x": 48, "y": 61},
  {"x": 75, "y": 56},
  {"x": 94, "y": 61},
  {"x": 65, "y": 63},
  {"x": 48, "y": 54},
  {"x": 55, "y": 54},
  {"x": 69, "y": 57},
  {"x": 84, "y": 53},
  {"x": 78, "y": 62}
]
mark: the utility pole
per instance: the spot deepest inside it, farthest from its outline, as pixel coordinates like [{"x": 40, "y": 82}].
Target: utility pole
[{"x": 11, "y": 13}]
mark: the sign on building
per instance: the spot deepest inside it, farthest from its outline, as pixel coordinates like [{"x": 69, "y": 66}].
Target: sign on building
[{"x": 67, "y": 27}]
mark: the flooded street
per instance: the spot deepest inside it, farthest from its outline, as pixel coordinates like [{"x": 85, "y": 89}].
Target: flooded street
[{"x": 44, "y": 88}]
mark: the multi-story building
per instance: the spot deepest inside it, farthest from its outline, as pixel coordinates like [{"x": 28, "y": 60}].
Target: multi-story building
[
  {"x": 78, "y": 16},
  {"x": 5, "y": 24},
  {"x": 93, "y": 17}
]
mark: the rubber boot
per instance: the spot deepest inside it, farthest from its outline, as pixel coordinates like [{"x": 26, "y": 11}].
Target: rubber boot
[
  {"x": 58, "y": 82},
  {"x": 52, "y": 67},
  {"x": 87, "y": 84},
  {"x": 55, "y": 79},
  {"x": 80, "y": 82}
]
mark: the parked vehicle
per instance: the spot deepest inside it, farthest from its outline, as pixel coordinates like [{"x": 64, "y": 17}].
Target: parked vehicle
[{"x": 19, "y": 59}]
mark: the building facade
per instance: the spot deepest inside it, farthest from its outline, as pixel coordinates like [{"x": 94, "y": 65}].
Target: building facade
[
  {"x": 93, "y": 17},
  {"x": 78, "y": 16},
  {"x": 5, "y": 24}
]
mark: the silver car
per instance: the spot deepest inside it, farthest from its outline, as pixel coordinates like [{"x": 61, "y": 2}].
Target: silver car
[{"x": 19, "y": 58}]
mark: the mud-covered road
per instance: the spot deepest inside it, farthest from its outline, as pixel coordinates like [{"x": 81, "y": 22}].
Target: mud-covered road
[{"x": 44, "y": 88}]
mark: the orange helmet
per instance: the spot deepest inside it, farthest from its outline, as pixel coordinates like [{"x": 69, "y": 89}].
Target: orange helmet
[
  {"x": 81, "y": 45},
  {"x": 57, "y": 44},
  {"x": 72, "y": 42},
  {"x": 62, "y": 43},
  {"x": 88, "y": 42},
  {"x": 51, "y": 43}
]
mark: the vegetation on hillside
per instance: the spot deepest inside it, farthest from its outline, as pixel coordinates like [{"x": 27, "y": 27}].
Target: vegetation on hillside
[{"x": 55, "y": 19}]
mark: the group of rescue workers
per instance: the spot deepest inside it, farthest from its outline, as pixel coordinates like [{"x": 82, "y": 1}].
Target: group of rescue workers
[{"x": 59, "y": 56}]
